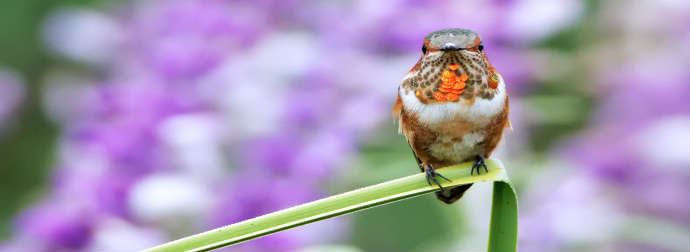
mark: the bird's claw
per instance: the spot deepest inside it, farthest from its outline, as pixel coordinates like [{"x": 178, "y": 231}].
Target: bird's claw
[
  {"x": 431, "y": 176},
  {"x": 479, "y": 163}
]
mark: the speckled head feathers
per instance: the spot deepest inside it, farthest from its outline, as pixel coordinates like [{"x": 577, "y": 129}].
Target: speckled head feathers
[
  {"x": 453, "y": 37},
  {"x": 453, "y": 68}
]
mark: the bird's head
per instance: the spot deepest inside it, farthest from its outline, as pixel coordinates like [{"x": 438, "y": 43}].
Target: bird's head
[{"x": 453, "y": 65}]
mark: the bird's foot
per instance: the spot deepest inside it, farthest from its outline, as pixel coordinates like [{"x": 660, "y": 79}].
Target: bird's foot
[
  {"x": 478, "y": 164},
  {"x": 431, "y": 176}
]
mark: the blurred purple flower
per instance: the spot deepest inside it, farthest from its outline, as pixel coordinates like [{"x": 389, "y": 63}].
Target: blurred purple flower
[
  {"x": 552, "y": 215},
  {"x": 56, "y": 227},
  {"x": 637, "y": 147},
  {"x": 114, "y": 233},
  {"x": 632, "y": 159},
  {"x": 636, "y": 121},
  {"x": 185, "y": 39},
  {"x": 310, "y": 101},
  {"x": 258, "y": 194},
  {"x": 101, "y": 192},
  {"x": 272, "y": 154},
  {"x": 641, "y": 91},
  {"x": 650, "y": 183}
]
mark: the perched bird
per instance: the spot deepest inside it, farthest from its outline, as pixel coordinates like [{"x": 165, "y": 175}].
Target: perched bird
[{"x": 452, "y": 106}]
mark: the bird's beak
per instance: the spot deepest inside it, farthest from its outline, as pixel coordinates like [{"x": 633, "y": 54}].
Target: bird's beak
[{"x": 451, "y": 47}]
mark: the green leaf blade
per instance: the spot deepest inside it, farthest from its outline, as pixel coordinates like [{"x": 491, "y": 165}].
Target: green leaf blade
[
  {"x": 504, "y": 218},
  {"x": 367, "y": 197}
]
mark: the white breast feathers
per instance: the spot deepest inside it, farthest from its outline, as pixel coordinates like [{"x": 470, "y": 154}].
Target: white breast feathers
[{"x": 480, "y": 110}]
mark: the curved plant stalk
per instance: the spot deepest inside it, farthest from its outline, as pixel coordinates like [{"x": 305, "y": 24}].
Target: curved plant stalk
[
  {"x": 502, "y": 235},
  {"x": 504, "y": 216}
]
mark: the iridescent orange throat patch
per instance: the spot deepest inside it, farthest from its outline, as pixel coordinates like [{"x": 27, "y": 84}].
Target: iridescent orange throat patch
[{"x": 451, "y": 85}]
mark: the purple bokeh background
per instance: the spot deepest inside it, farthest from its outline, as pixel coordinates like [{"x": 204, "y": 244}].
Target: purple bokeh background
[{"x": 195, "y": 114}]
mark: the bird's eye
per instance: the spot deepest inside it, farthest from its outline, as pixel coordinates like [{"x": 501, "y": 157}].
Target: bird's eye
[
  {"x": 480, "y": 47},
  {"x": 424, "y": 49}
]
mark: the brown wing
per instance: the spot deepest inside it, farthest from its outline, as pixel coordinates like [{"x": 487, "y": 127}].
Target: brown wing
[
  {"x": 397, "y": 113},
  {"x": 495, "y": 129},
  {"x": 397, "y": 108}
]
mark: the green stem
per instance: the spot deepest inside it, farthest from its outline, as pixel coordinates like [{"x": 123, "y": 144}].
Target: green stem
[
  {"x": 340, "y": 204},
  {"x": 503, "y": 227}
]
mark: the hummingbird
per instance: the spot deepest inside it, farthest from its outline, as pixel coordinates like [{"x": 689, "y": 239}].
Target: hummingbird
[{"x": 452, "y": 106}]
